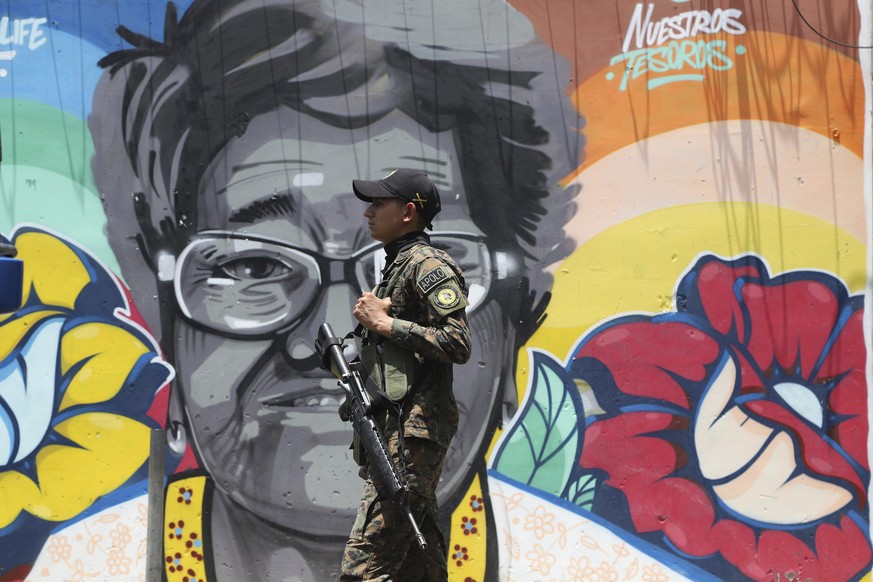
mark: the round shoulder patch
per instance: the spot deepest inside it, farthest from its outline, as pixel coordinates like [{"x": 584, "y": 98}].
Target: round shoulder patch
[{"x": 447, "y": 297}]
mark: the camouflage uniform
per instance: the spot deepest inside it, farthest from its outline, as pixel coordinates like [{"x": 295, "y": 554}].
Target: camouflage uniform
[{"x": 428, "y": 302}]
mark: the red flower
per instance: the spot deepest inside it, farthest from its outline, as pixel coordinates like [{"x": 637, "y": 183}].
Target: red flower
[
  {"x": 460, "y": 555},
  {"x": 736, "y": 429},
  {"x": 185, "y": 494},
  {"x": 468, "y": 525},
  {"x": 174, "y": 562},
  {"x": 176, "y": 529}
]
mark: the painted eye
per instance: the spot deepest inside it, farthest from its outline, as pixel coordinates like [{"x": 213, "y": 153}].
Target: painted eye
[
  {"x": 256, "y": 268},
  {"x": 466, "y": 254}
]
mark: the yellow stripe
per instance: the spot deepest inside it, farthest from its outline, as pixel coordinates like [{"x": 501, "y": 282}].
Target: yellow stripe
[
  {"x": 184, "y": 546},
  {"x": 468, "y": 538}
]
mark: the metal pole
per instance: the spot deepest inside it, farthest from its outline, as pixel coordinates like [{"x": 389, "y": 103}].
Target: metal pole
[{"x": 155, "y": 537}]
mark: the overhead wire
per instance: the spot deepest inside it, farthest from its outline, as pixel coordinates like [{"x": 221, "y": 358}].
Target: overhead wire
[
  {"x": 436, "y": 91},
  {"x": 558, "y": 87},
  {"x": 367, "y": 121},
  {"x": 411, "y": 65},
  {"x": 277, "y": 97},
  {"x": 9, "y": 201},
  {"x": 824, "y": 36},
  {"x": 342, "y": 65},
  {"x": 490, "y": 88},
  {"x": 65, "y": 129}
]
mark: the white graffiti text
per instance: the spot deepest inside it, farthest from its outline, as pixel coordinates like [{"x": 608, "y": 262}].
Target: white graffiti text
[
  {"x": 22, "y": 32},
  {"x": 643, "y": 32}
]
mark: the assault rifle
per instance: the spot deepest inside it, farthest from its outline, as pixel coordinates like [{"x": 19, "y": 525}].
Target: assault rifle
[{"x": 382, "y": 469}]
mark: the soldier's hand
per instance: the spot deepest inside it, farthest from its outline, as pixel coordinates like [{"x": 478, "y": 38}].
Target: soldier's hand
[
  {"x": 345, "y": 412},
  {"x": 373, "y": 313}
]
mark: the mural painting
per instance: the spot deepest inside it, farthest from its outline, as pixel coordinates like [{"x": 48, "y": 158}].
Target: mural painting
[{"x": 660, "y": 208}]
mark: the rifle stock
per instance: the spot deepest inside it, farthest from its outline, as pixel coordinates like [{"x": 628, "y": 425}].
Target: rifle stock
[{"x": 329, "y": 348}]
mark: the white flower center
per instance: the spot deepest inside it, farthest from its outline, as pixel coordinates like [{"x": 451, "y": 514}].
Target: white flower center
[
  {"x": 28, "y": 393},
  {"x": 802, "y": 400}
]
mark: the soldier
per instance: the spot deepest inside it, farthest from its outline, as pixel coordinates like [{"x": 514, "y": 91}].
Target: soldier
[
  {"x": 415, "y": 330},
  {"x": 224, "y": 155}
]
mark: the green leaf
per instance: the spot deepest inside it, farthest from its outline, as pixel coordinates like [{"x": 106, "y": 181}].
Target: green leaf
[
  {"x": 581, "y": 491},
  {"x": 541, "y": 447}
]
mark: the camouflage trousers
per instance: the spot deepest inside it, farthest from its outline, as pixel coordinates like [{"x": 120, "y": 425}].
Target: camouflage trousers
[{"x": 382, "y": 546}]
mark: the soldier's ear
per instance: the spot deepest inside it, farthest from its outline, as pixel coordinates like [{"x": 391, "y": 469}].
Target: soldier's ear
[{"x": 409, "y": 211}]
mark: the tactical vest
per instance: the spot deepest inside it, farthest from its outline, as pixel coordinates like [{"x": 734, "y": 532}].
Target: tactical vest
[
  {"x": 392, "y": 369},
  {"x": 394, "y": 375}
]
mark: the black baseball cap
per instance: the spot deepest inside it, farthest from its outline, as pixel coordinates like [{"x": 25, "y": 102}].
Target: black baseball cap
[{"x": 408, "y": 185}]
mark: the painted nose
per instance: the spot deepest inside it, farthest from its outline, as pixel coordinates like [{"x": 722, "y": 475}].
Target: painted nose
[{"x": 334, "y": 307}]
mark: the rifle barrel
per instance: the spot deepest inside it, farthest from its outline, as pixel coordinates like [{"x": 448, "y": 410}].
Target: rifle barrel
[{"x": 329, "y": 347}]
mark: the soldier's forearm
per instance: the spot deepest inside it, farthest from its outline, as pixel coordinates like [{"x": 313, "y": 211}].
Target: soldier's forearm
[{"x": 448, "y": 343}]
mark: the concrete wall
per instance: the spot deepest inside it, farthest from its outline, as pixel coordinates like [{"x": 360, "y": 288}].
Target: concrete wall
[{"x": 663, "y": 210}]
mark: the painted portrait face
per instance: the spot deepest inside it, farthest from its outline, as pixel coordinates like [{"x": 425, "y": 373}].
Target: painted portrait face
[{"x": 282, "y": 247}]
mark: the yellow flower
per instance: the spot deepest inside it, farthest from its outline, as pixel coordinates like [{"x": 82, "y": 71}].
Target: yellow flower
[{"x": 77, "y": 376}]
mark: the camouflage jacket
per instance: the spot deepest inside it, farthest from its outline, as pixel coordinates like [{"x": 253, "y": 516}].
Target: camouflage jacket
[{"x": 428, "y": 301}]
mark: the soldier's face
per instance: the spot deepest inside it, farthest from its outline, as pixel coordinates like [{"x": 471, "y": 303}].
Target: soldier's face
[
  {"x": 385, "y": 218},
  {"x": 282, "y": 248}
]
